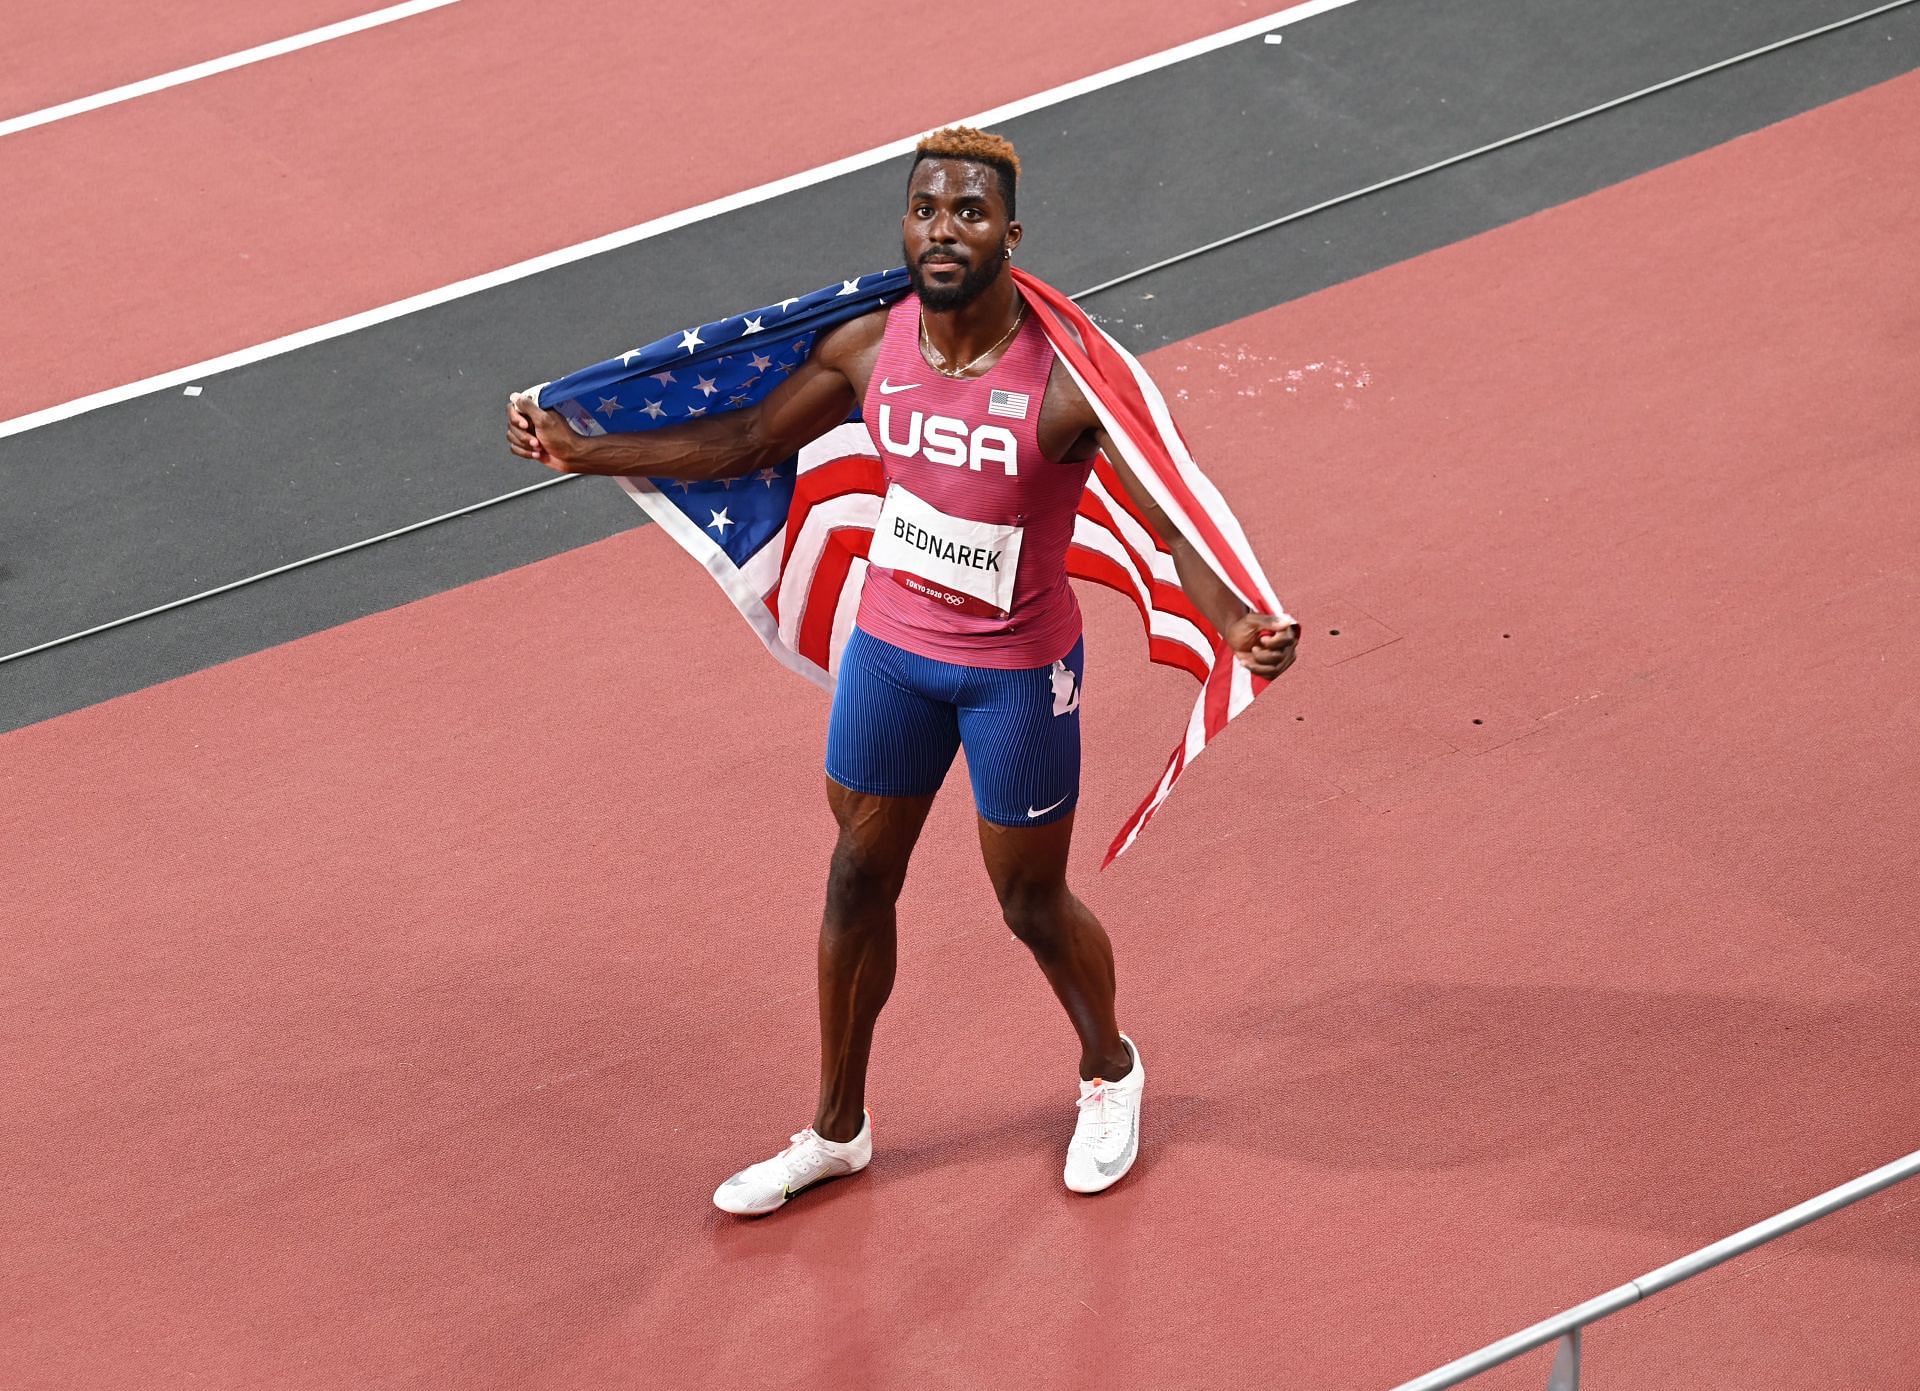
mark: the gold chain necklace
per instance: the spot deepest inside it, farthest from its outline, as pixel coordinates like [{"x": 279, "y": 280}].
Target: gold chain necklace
[{"x": 961, "y": 371}]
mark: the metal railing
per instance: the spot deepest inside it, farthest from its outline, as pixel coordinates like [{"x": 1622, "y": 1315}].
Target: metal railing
[{"x": 1566, "y": 1328}]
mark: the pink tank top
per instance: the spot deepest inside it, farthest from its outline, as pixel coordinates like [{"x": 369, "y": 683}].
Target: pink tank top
[{"x": 969, "y": 561}]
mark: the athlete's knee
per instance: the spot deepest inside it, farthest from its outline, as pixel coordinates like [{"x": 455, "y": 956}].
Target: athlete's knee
[
  {"x": 1038, "y": 912},
  {"x": 862, "y": 876}
]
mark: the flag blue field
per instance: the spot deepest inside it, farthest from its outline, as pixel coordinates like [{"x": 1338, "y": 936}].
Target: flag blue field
[{"x": 708, "y": 370}]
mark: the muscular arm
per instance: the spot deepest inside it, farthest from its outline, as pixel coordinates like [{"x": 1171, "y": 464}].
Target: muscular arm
[{"x": 819, "y": 395}]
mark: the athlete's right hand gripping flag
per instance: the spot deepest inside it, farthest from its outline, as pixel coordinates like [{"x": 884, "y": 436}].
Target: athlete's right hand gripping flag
[{"x": 789, "y": 544}]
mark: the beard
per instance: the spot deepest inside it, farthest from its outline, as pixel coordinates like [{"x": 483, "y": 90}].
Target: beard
[{"x": 973, "y": 282}]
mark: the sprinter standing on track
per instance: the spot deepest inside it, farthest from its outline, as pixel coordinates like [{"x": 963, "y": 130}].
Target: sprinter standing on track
[{"x": 968, "y": 635}]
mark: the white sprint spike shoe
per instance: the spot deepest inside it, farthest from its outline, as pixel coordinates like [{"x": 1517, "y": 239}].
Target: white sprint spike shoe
[
  {"x": 761, "y": 1188},
  {"x": 1106, "y": 1138}
]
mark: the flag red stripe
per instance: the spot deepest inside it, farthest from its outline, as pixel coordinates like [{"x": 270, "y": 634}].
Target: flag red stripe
[
  {"x": 1219, "y": 692},
  {"x": 1103, "y": 467},
  {"x": 1084, "y": 563},
  {"x": 1143, "y": 813},
  {"x": 814, "y": 641},
  {"x": 1169, "y": 597},
  {"x": 852, "y": 473},
  {"x": 837, "y": 478}
]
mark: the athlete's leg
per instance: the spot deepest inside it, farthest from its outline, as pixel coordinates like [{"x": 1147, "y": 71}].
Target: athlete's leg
[
  {"x": 857, "y": 942},
  {"x": 1021, "y": 730},
  {"x": 1028, "y": 866},
  {"x": 890, "y": 740}
]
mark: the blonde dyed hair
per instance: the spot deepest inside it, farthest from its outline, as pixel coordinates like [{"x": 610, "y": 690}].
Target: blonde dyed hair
[{"x": 978, "y": 147}]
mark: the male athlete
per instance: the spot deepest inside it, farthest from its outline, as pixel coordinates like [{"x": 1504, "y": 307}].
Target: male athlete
[{"x": 968, "y": 635}]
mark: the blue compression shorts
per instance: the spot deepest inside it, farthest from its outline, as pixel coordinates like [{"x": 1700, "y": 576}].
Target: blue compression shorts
[{"x": 898, "y": 719}]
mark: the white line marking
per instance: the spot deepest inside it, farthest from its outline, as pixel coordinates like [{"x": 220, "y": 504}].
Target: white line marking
[
  {"x": 179, "y": 76},
  {"x": 641, "y": 232}
]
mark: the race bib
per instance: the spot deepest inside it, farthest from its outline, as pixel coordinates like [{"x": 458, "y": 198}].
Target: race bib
[{"x": 968, "y": 566}]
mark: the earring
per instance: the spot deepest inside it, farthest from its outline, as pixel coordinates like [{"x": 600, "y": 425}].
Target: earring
[{"x": 1006, "y": 253}]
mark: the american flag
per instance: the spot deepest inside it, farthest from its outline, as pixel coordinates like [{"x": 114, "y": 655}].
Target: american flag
[
  {"x": 788, "y": 544},
  {"x": 1012, "y": 404}
]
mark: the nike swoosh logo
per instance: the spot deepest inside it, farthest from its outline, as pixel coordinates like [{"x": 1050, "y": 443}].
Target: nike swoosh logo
[
  {"x": 887, "y": 388},
  {"x": 1031, "y": 813},
  {"x": 1125, "y": 1158}
]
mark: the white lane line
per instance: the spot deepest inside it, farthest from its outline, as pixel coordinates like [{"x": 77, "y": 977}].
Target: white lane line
[
  {"x": 368, "y": 318},
  {"x": 179, "y": 76}
]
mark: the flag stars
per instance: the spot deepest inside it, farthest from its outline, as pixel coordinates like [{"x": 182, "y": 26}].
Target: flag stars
[
  {"x": 691, "y": 339},
  {"x": 849, "y": 287},
  {"x": 693, "y": 411},
  {"x": 664, "y": 378},
  {"x": 608, "y": 405},
  {"x": 706, "y": 386},
  {"x": 654, "y": 409},
  {"x": 739, "y": 400},
  {"x": 721, "y": 521},
  {"x": 753, "y": 325},
  {"x": 760, "y": 362},
  {"x": 786, "y": 303},
  {"x": 626, "y": 358},
  {"x": 683, "y": 485},
  {"x": 768, "y": 476}
]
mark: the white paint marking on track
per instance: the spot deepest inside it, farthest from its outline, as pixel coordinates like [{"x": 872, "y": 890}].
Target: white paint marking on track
[
  {"x": 612, "y": 241},
  {"x": 12, "y": 125}
]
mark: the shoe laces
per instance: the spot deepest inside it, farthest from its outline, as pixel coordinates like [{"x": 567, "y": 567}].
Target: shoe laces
[
  {"x": 804, "y": 1147},
  {"x": 1101, "y": 1112}
]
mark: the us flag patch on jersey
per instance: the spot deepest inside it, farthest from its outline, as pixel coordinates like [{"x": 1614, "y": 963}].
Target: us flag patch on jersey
[{"x": 1011, "y": 404}]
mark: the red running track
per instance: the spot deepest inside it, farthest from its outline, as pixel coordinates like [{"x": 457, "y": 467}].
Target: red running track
[
  {"x": 225, "y": 213},
  {"x": 381, "y": 1009},
  {"x": 58, "y": 54}
]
